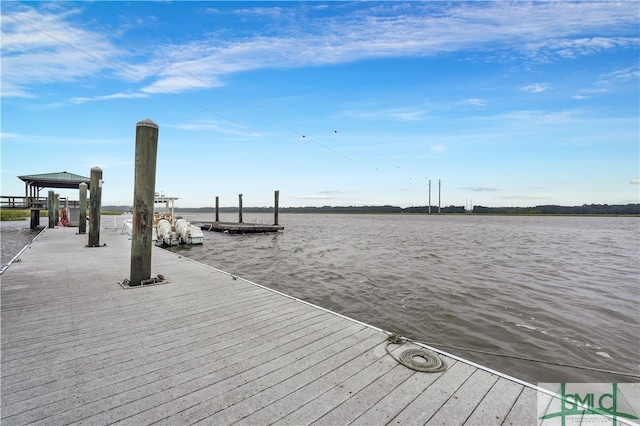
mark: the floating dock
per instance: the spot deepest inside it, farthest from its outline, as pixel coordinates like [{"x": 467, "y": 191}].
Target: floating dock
[
  {"x": 207, "y": 346},
  {"x": 240, "y": 228}
]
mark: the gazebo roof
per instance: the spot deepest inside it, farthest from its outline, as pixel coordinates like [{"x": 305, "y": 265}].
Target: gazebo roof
[{"x": 55, "y": 180}]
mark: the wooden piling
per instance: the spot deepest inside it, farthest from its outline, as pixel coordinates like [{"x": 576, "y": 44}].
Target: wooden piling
[
  {"x": 95, "y": 204},
  {"x": 240, "y": 208},
  {"x": 217, "y": 208},
  {"x": 143, "y": 200},
  {"x": 56, "y": 208},
  {"x": 35, "y": 219},
  {"x": 82, "y": 219},
  {"x": 275, "y": 209},
  {"x": 51, "y": 208}
]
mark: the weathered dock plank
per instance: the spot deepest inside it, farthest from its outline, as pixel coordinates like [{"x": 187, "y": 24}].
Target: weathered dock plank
[{"x": 208, "y": 347}]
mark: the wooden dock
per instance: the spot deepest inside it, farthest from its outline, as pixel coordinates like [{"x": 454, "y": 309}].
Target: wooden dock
[
  {"x": 78, "y": 348},
  {"x": 240, "y": 228}
]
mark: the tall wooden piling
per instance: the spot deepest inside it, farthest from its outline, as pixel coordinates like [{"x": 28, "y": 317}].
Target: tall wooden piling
[
  {"x": 217, "y": 208},
  {"x": 95, "y": 204},
  {"x": 240, "y": 208},
  {"x": 275, "y": 209},
  {"x": 82, "y": 218},
  {"x": 143, "y": 200},
  {"x": 52, "y": 209},
  {"x": 56, "y": 208}
]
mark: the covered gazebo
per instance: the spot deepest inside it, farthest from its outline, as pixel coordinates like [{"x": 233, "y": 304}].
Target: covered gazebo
[{"x": 33, "y": 184}]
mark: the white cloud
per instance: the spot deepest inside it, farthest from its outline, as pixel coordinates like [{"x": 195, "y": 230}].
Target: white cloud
[
  {"x": 11, "y": 90},
  {"x": 438, "y": 148},
  {"x": 536, "y": 87},
  {"x": 625, "y": 74},
  {"x": 481, "y": 189},
  {"x": 523, "y": 197},
  {"x": 227, "y": 127},
  {"x": 381, "y": 32},
  {"x": 44, "y": 45},
  {"x": 396, "y": 114},
  {"x": 317, "y": 197},
  {"x": 80, "y": 100},
  {"x": 474, "y": 102},
  {"x": 10, "y": 135},
  {"x": 635, "y": 181},
  {"x": 547, "y": 50}
]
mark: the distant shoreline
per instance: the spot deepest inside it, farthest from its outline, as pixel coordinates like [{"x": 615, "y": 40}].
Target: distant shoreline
[
  {"x": 597, "y": 210},
  {"x": 584, "y": 210}
]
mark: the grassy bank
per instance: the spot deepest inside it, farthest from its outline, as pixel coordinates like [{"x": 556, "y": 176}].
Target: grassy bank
[
  {"x": 26, "y": 214},
  {"x": 14, "y": 214}
]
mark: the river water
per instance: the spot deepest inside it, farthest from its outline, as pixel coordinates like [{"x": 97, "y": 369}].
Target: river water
[{"x": 558, "y": 288}]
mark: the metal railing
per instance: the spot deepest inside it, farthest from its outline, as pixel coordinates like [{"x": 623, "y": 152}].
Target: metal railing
[{"x": 31, "y": 203}]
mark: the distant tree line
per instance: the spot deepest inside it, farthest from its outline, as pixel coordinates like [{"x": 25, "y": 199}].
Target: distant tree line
[{"x": 585, "y": 209}]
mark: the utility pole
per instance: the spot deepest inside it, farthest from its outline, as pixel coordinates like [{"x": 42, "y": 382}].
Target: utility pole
[
  {"x": 439, "y": 193},
  {"x": 429, "y": 196}
]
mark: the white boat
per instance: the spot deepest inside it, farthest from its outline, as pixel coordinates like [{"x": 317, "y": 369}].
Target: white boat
[
  {"x": 169, "y": 230},
  {"x": 167, "y": 236},
  {"x": 188, "y": 233},
  {"x": 127, "y": 228}
]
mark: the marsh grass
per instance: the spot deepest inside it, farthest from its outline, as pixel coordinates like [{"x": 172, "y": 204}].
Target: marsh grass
[
  {"x": 26, "y": 214},
  {"x": 14, "y": 214}
]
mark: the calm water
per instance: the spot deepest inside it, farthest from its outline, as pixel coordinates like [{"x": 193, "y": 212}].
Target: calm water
[{"x": 560, "y": 288}]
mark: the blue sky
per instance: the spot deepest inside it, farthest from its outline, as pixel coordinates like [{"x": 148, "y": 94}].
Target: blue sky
[{"x": 332, "y": 103}]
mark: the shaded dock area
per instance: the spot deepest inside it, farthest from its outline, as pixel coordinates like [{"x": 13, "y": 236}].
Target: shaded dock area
[{"x": 206, "y": 346}]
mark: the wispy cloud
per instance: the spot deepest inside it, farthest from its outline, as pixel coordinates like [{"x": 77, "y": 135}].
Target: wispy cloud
[
  {"x": 211, "y": 125},
  {"x": 395, "y": 114},
  {"x": 317, "y": 197},
  {"x": 536, "y": 87},
  {"x": 607, "y": 81},
  {"x": 439, "y": 148},
  {"x": 624, "y": 74},
  {"x": 81, "y": 100},
  {"x": 481, "y": 189},
  {"x": 10, "y": 135},
  {"x": 523, "y": 197},
  {"x": 635, "y": 181},
  {"x": 45, "y": 46},
  {"x": 473, "y": 102},
  {"x": 548, "y": 50}
]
